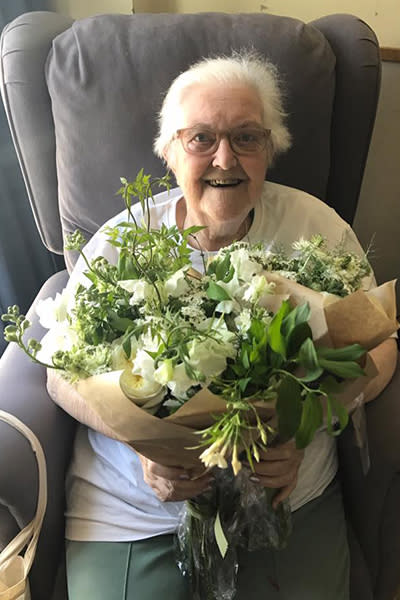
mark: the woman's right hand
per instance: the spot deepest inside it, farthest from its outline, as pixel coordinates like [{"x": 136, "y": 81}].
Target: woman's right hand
[{"x": 174, "y": 484}]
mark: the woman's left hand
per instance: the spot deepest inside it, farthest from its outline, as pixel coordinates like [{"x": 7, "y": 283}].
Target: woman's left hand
[{"x": 278, "y": 468}]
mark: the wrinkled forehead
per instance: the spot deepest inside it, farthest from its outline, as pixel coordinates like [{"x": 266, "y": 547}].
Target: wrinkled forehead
[{"x": 219, "y": 105}]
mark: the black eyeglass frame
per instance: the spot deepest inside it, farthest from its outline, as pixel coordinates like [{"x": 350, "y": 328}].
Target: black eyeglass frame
[{"x": 219, "y": 135}]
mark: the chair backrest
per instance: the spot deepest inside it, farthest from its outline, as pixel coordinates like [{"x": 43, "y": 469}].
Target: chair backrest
[{"x": 82, "y": 99}]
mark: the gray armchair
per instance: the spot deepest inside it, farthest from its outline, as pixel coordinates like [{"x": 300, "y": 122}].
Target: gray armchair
[{"x": 81, "y": 100}]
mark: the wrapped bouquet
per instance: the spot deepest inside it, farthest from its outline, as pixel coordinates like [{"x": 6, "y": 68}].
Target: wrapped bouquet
[{"x": 213, "y": 367}]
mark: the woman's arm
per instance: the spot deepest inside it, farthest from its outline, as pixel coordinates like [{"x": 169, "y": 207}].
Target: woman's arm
[
  {"x": 385, "y": 359},
  {"x": 279, "y": 466}
]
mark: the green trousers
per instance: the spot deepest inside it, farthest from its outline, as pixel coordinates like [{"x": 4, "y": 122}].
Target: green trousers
[{"x": 314, "y": 565}]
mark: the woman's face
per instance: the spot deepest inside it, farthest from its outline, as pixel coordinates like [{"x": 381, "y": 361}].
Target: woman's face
[{"x": 223, "y": 187}]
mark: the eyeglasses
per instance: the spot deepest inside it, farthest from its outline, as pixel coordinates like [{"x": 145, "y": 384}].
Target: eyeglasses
[{"x": 242, "y": 140}]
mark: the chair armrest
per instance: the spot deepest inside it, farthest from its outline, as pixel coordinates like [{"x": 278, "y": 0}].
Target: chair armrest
[
  {"x": 23, "y": 393},
  {"x": 372, "y": 500}
]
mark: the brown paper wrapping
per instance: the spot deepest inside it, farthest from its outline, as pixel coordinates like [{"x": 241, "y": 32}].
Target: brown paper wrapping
[{"x": 98, "y": 401}]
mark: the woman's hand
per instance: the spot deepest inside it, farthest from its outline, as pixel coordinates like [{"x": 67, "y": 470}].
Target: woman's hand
[
  {"x": 278, "y": 468},
  {"x": 174, "y": 484}
]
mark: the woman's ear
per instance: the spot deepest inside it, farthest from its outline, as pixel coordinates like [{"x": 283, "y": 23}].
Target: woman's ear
[{"x": 169, "y": 157}]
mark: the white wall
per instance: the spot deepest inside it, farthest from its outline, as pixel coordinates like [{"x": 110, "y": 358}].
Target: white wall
[
  {"x": 79, "y": 9},
  {"x": 378, "y": 212},
  {"x": 382, "y": 15}
]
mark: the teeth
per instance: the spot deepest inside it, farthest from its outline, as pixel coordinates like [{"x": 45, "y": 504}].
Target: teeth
[{"x": 224, "y": 181}]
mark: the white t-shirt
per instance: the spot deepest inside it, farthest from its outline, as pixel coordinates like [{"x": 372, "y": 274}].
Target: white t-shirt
[{"x": 107, "y": 498}]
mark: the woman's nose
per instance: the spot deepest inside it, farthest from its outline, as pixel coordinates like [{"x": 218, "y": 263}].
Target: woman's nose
[{"x": 224, "y": 157}]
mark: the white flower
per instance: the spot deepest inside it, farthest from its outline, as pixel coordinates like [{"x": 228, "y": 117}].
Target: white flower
[
  {"x": 53, "y": 311},
  {"x": 146, "y": 393},
  {"x": 258, "y": 288},
  {"x": 149, "y": 342},
  {"x": 243, "y": 320},
  {"x": 60, "y": 337},
  {"x": 118, "y": 357},
  {"x": 139, "y": 289},
  {"x": 232, "y": 287},
  {"x": 244, "y": 266},
  {"x": 164, "y": 372},
  {"x": 214, "y": 455},
  {"x": 194, "y": 313},
  {"x": 226, "y": 306},
  {"x": 143, "y": 365},
  {"x": 208, "y": 356},
  {"x": 180, "y": 382},
  {"x": 177, "y": 285}
]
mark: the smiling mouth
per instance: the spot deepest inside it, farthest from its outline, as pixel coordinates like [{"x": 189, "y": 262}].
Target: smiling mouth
[{"x": 224, "y": 183}]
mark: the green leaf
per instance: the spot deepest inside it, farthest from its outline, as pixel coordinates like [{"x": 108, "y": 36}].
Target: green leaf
[
  {"x": 220, "y": 537},
  {"x": 346, "y": 370},
  {"x": 127, "y": 346},
  {"x": 297, "y": 316},
  {"x": 289, "y": 407},
  {"x": 308, "y": 356},
  {"x": 223, "y": 267},
  {"x": 309, "y": 361},
  {"x": 216, "y": 292},
  {"x": 311, "y": 420},
  {"x": 353, "y": 352},
  {"x": 243, "y": 383},
  {"x": 119, "y": 323},
  {"x": 337, "y": 416},
  {"x": 275, "y": 338},
  {"x": 330, "y": 385},
  {"x": 302, "y": 313},
  {"x": 297, "y": 337},
  {"x": 245, "y": 358}
]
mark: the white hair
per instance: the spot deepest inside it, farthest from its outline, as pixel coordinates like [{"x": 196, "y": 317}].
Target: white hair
[{"x": 246, "y": 68}]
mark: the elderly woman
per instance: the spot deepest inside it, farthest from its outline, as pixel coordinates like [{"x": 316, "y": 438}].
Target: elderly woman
[{"x": 221, "y": 125}]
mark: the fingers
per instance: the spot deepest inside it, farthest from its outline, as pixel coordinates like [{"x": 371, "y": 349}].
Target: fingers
[
  {"x": 283, "y": 494},
  {"x": 278, "y": 468},
  {"x": 174, "y": 484}
]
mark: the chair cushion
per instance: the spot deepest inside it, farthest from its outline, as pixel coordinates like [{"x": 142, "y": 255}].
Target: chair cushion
[{"x": 107, "y": 75}]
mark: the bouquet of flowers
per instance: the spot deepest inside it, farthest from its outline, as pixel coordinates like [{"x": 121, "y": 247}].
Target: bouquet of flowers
[{"x": 213, "y": 367}]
